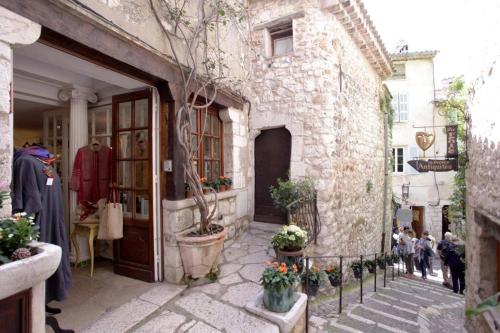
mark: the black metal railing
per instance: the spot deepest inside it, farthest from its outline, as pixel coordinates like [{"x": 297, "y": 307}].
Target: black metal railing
[{"x": 388, "y": 262}]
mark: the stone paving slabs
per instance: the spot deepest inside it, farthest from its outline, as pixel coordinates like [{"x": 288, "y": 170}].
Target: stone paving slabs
[
  {"x": 252, "y": 272},
  {"x": 223, "y": 316},
  {"x": 240, "y": 294},
  {"x": 166, "y": 322},
  {"x": 231, "y": 279}
]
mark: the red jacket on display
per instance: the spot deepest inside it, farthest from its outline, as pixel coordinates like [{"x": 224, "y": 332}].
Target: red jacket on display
[{"x": 91, "y": 174}]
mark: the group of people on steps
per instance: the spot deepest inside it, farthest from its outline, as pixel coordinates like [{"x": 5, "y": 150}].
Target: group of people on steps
[{"x": 420, "y": 253}]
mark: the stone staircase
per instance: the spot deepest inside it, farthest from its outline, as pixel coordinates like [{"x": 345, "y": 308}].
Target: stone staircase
[{"x": 404, "y": 306}]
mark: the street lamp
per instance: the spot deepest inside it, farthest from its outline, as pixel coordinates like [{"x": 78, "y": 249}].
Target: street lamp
[{"x": 405, "y": 192}]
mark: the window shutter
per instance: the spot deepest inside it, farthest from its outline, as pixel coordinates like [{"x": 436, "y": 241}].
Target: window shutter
[
  {"x": 412, "y": 155},
  {"x": 403, "y": 107}
]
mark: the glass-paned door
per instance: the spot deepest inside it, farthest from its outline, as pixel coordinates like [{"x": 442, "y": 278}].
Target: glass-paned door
[{"x": 133, "y": 176}]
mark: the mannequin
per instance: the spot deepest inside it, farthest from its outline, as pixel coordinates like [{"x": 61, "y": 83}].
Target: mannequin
[{"x": 37, "y": 190}]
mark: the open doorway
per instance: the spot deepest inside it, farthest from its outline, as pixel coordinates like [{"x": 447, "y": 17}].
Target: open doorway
[
  {"x": 272, "y": 161},
  {"x": 120, "y": 120},
  {"x": 418, "y": 220}
]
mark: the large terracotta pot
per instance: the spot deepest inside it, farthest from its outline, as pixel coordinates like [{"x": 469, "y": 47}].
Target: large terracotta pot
[{"x": 199, "y": 254}]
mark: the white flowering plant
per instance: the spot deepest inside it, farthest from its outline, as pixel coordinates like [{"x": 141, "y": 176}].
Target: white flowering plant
[
  {"x": 289, "y": 238},
  {"x": 15, "y": 233}
]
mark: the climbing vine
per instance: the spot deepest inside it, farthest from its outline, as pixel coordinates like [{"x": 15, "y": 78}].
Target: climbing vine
[
  {"x": 454, "y": 108},
  {"x": 385, "y": 106}
]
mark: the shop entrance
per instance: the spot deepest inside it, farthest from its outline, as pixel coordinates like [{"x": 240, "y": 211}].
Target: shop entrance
[
  {"x": 121, "y": 120},
  {"x": 418, "y": 220}
]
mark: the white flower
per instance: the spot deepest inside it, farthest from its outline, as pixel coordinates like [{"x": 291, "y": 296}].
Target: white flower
[{"x": 10, "y": 235}]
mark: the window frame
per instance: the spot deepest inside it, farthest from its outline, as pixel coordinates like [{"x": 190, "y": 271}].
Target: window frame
[
  {"x": 395, "y": 156},
  {"x": 280, "y": 32},
  {"x": 200, "y": 156}
]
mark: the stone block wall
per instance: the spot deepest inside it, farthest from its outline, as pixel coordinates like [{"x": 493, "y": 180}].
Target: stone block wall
[
  {"x": 326, "y": 94},
  {"x": 483, "y": 198},
  {"x": 14, "y": 30}
]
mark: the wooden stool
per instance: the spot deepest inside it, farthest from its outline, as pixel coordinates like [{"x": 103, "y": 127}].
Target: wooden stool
[{"x": 88, "y": 228}]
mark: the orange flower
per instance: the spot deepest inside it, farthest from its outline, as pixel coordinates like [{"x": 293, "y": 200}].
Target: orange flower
[
  {"x": 283, "y": 269},
  {"x": 294, "y": 268}
]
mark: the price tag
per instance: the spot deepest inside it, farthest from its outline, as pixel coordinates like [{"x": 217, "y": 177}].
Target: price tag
[{"x": 50, "y": 181}]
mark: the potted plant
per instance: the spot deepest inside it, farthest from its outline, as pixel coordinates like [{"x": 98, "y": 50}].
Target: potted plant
[
  {"x": 357, "y": 269},
  {"x": 221, "y": 184},
  {"x": 15, "y": 234},
  {"x": 228, "y": 182},
  {"x": 188, "y": 190},
  {"x": 381, "y": 262},
  {"x": 278, "y": 280},
  {"x": 371, "y": 265},
  {"x": 389, "y": 260},
  {"x": 311, "y": 279},
  {"x": 333, "y": 274},
  {"x": 395, "y": 259},
  {"x": 289, "y": 243},
  {"x": 206, "y": 185}
]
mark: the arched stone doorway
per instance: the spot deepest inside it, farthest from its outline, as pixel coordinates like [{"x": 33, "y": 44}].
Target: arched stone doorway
[{"x": 272, "y": 161}]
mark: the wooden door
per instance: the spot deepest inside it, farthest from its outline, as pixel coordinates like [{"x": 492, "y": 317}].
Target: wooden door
[
  {"x": 445, "y": 221},
  {"x": 272, "y": 161},
  {"x": 15, "y": 313},
  {"x": 132, "y": 172},
  {"x": 418, "y": 221}
]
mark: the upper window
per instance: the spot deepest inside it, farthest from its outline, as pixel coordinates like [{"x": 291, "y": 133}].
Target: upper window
[
  {"x": 207, "y": 143},
  {"x": 400, "y": 106},
  {"x": 100, "y": 121},
  {"x": 399, "y": 71},
  {"x": 282, "y": 39},
  {"x": 398, "y": 160}
]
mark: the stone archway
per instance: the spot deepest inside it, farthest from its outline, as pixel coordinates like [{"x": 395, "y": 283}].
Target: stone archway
[{"x": 272, "y": 161}]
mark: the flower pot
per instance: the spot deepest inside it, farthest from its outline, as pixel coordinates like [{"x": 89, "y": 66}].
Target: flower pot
[
  {"x": 189, "y": 194},
  {"x": 357, "y": 273},
  {"x": 199, "y": 253},
  {"x": 206, "y": 191},
  {"x": 389, "y": 261},
  {"x": 222, "y": 188},
  {"x": 278, "y": 301},
  {"x": 311, "y": 289},
  {"x": 291, "y": 257},
  {"x": 371, "y": 270},
  {"x": 334, "y": 280}
]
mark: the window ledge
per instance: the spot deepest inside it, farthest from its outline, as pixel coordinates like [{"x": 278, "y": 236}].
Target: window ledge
[{"x": 174, "y": 205}]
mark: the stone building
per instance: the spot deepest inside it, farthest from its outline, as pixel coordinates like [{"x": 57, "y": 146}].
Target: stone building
[
  {"x": 483, "y": 198},
  {"x": 318, "y": 68},
  {"x": 413, "y": 89},
  {"x": 314, "y": 92}
]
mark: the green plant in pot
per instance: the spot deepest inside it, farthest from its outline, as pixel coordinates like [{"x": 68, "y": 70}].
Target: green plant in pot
[
  {"x": 370, "y": 265},
  {"x": 381, "y": 262},
  {"x": 289, "y": 243},
  {"x": 357, "y": 269},
  {"x": 395, "y": 259},
  {"x": 334, "y": 275},
  {"x": 288, "y": 191},
  {"x": 15, "y": 235},
  {"x": 278, "y": 280},
  {"x": 311, "y": 279}
]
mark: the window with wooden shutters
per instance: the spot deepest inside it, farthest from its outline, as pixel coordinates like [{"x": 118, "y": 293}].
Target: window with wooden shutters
[
  {"x": 282, "y": 39},
  {"x": 207, "y": 143},
  {"x": 399, "y": 104}
]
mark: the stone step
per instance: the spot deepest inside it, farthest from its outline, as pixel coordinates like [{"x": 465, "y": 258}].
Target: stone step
[
  {"x": 389, "y": 319},
  {"x": 408, "y": 297},
  {"x": 435, "y": 296},
  {"x": 397, "y": 309},
  {"x": 358, "y": 323},
  {"x": 400, "y": 302}
]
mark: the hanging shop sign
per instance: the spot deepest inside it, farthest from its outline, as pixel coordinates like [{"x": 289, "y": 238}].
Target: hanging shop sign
[
  {"x": 424, "y": 140},
  {"x": 451, "y": 141},
  {"x": 450, "y": 164}
]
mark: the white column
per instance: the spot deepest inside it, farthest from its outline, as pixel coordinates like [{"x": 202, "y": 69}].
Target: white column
[{"x": 78, "y": 126}]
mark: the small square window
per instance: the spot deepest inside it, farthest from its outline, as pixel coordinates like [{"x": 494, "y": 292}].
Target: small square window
[
  {"x": 282, "y": 39},
  {"x": 399, "y": 71}
]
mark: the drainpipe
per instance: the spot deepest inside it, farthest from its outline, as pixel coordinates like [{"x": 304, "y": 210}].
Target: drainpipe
[{"x": 386, "y": 175}]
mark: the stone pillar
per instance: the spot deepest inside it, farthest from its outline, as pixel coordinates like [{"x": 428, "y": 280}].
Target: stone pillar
[
  {"x": 15, "y": 31},
  {"x": 78, "y": 125}
]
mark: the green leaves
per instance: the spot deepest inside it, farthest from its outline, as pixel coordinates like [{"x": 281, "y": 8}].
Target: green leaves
[
  {"x": 15, "y": 233},
  {"x": 491, "y": 303}
]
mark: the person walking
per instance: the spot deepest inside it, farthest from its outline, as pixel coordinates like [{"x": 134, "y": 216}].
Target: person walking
[
  {"x": 432, "y": 255},
  {"x": 442, "y": 250},
  {"x": 411, "y": 250},
  {"x": 455, "y": 259},
  {"x": 423, "y": 251}
]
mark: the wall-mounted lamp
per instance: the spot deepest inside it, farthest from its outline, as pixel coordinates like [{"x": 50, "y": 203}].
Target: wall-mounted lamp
[{"x": 405, "y": 192}]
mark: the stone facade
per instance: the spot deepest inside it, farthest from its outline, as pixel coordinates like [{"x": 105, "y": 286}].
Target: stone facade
[
  {"x": 15, "y": 30},
  {"x": 326, "y": 93},
  {"x": 430, "y": 190},
  {"x": 483, "y": 198}
]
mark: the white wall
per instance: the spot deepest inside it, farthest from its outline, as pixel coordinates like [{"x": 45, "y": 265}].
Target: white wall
[{"x": 433, "y": 189}]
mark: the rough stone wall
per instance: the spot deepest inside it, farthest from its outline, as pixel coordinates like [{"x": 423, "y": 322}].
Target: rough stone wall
[
  {"x": 483, "y": 197},
  {"x": 337, "y": 132},
  {"x": 14, "y": 30}
]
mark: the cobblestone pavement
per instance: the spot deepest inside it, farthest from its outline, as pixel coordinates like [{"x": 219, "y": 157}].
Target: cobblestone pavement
[
  {"x": 404, "y": 305},
  {"x": 219, "y": 306}
]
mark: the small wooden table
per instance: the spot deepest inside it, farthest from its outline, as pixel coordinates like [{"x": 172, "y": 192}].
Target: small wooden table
[{"x": 88, "y": 228}]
